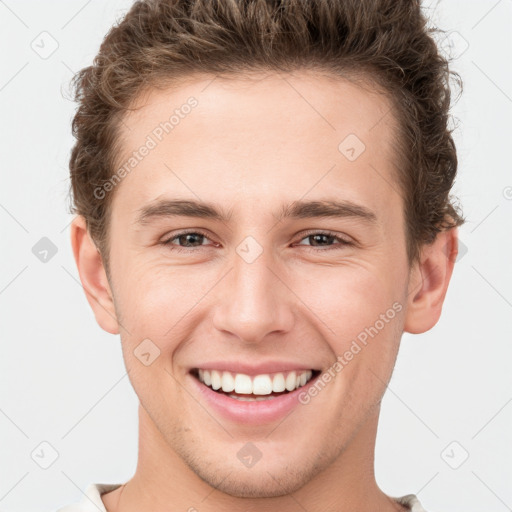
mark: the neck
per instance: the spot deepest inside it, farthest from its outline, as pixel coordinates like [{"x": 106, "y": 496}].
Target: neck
[{"x": 163, "y": 481}]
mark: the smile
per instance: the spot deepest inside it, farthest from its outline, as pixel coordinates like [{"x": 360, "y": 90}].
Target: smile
[{"x": 244, "y": 387}]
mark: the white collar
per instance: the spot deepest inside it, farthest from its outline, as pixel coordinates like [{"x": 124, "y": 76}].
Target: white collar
[{"x": 94, "y": 491}]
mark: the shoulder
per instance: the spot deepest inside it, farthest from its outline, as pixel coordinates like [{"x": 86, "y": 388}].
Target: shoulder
[
  {"x": 91, "y": 500},
  {"x": 411, "y": 502}
]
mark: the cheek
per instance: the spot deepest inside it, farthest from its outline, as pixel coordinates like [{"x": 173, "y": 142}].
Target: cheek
[
  {"x": 161, "y": 302},
  {"x": 358, "y": 307},
  {"x": 360, "y": 314},
  {"x": 155, "y": 304},
  {"x": 351, "y": 292}
]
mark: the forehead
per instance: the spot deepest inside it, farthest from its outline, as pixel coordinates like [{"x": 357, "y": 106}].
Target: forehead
[{"x": 245, "y": 138}]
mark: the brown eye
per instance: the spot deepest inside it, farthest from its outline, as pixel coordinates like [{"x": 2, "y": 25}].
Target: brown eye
[
  {"x": 185, "y": 241},
  {"x": 188, "y": 239},
  {"x": 325, "y": 239}
]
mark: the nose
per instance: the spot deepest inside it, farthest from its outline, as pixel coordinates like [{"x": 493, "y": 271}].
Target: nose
[{"x": 254, "y": 301}]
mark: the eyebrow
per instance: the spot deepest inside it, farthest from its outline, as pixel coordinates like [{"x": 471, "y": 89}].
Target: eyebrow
[{"x": 296, "y": 210}]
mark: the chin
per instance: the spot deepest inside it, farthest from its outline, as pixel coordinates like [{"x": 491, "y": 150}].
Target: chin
[
  {"x": 260, "y": 481},
  {"x": 266, "y": 485}
]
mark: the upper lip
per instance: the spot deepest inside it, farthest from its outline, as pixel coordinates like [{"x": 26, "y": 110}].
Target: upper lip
[{"x": 254, "y": 369}]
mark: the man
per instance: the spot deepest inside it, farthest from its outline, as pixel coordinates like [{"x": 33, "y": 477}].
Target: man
[{"x": 262, "y": 199}]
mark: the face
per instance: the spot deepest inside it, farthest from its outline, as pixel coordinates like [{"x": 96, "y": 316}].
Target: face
[{"x": 294, "y": 259}]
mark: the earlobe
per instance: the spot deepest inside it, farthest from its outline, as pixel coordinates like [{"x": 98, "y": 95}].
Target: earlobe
[
  {"x": 93, "y": 276},
  {"x": 429, "y": 280}
]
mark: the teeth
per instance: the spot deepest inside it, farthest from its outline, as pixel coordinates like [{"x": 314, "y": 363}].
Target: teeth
[
  {"x": 291, "y": 381},
  {"x": 258, "y": 385},
  {"x": 278, "y": 383},
  {"x": 262, "y": 385},
  {"x": 243, "y": 384},
  {"x": 216, "y": 379},
  {"x": 228, "y": 382},
  {"x": 251, "y": 398}
]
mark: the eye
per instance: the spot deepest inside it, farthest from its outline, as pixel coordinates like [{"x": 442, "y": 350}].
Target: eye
[
  {"x": 190, "y": 239},
  {"x": 186, "y": 241},
  {"x": 323, "y": 238}
]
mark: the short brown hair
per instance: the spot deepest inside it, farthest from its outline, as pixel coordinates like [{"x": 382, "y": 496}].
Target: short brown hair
[{"x": 385, "y": 42}]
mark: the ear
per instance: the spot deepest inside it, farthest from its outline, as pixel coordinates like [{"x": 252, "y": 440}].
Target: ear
[
  {"x": 428, "y": 282},
  {"x": 93, "y": 276}
]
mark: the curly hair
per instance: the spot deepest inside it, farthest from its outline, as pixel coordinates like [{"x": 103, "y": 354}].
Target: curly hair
[{"x": 387, "y": 43}]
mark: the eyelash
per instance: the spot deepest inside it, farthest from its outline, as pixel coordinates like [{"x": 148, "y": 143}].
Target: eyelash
[{"x": 177, "y": 248}]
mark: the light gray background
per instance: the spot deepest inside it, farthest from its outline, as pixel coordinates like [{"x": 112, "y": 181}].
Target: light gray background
[{"x": 62, "y": 378}]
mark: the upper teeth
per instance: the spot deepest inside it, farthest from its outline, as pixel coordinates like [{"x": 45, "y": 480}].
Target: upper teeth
[{"x": 257, "y": 385}]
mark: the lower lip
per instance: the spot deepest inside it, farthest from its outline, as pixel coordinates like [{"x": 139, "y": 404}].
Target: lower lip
[{"x": 254, "y": 412}]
